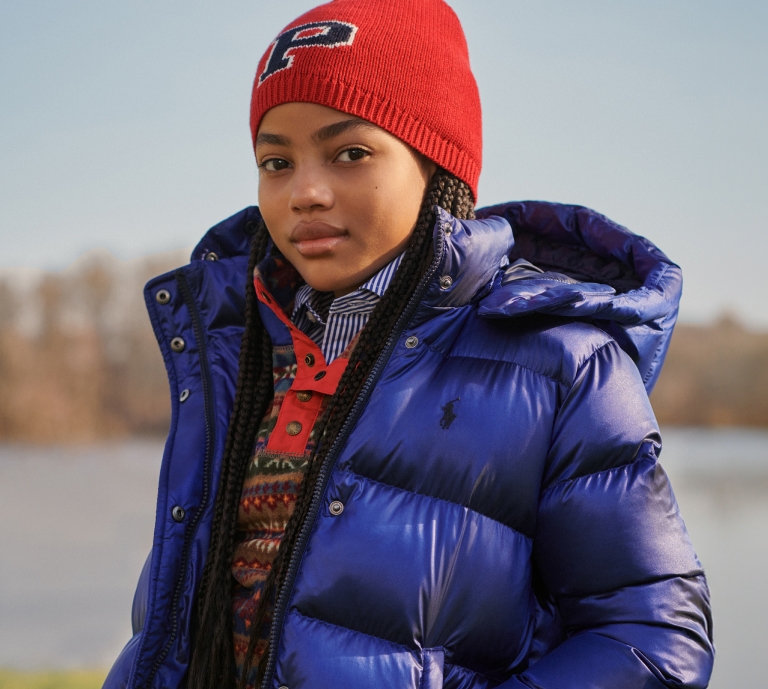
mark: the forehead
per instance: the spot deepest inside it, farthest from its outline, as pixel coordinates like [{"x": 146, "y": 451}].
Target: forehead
[{"x": 297, "y": 121}]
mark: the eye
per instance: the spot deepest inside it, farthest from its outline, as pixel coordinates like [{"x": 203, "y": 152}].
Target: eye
[
  {"x": 274, "y": 164},
  {"x": 350, "y": 155}
]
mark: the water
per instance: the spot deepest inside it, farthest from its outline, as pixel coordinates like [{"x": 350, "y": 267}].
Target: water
[
  {"x": 721, "y": 482},
  {"x": 76, "y": 526}
]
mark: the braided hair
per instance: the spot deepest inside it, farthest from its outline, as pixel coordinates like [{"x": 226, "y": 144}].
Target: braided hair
[{"x": 212, "y": 663}]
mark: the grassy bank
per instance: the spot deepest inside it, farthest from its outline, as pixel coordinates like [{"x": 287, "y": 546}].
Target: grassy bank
[{"x": 72, "y": 679}]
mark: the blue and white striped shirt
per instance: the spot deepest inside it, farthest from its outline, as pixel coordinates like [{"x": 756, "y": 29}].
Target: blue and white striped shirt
[{"x": 332, "y": 323}]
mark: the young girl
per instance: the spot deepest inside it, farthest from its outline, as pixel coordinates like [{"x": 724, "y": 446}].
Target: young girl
[{"x": 411, "y": 443}]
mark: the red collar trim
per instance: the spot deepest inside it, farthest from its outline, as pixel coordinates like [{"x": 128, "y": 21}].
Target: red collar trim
[{"x": 312, "y": 371}]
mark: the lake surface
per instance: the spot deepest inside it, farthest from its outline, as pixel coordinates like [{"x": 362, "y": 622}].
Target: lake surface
[{"x": 76, "y": 525}]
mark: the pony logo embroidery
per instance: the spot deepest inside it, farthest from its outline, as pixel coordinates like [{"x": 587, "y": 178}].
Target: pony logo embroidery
[
  {"x": 329, "y": 34},
  {"x": 449, "y": 415}
]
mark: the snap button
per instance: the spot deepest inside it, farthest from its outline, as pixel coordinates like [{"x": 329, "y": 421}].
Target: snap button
[
  {"x": 336, "y": 508},
  {"x": 178, "y": 344},
  {"x": 303, "y": 396},
  {"x": 163, "y": 296},
  {"x": 293, "y": 428},
  {"x": 412, "y": 341},
  {"x": 309, "y": 360},
  {"x": 184, "y": 396},
  {"x": 448, "y": 229},
  {"x": 211, "y": 256},
  {"x": 320, "y": 375},
  {"x": 446, "y": 281},
  {"x": 178, "y": 513},
  {"x": 283, "y": 687}
]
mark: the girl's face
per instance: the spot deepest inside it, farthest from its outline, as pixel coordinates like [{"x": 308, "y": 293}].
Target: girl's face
[{"x": 339, "y": 195}]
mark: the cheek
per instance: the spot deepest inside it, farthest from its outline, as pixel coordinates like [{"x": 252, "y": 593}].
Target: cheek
[
  {"x": 382, "y": 221},
  {"x": 400, "y": 203},
  {"x": 272, "y": 208},
  {"x": 266, "y": 198}
]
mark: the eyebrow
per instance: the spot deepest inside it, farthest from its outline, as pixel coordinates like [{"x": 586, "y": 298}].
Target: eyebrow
[
  {"x": 330, "y": 131},
  {"x": 274, "y": 139},
  {"x": 337, "y": 128}
]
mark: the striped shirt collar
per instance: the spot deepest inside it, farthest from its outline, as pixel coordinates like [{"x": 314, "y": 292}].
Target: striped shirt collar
[{"x": 331, "y": 322}]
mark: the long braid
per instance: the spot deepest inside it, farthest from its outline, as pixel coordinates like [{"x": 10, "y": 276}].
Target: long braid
[
  {"x": 453, "y": 195},
  {"x": 212, "y": 662}
]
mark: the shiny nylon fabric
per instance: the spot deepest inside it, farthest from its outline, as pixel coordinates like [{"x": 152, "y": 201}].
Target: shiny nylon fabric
[
  {"x": 639, "y": 304},
  {"x": 533, "y": 542}
]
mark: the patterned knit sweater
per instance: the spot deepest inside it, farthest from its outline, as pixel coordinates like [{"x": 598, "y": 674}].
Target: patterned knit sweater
[
  {"x": 304, "y": 384},
  {"x": 270, "y": 489}
]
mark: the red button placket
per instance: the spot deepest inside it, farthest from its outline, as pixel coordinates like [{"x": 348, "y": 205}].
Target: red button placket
[{"x": 296, "y": 418}]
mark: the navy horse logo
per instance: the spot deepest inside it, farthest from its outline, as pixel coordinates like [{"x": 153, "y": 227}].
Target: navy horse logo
[
  {"x": 449, "y": 414},
  {"x": 330, "y": 34}
]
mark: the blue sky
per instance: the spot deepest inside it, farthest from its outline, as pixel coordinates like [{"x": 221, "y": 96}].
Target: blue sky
[{"x": 125, "y": 125}]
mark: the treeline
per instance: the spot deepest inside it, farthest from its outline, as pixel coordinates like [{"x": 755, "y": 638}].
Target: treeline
[
  {"x": 714, "y": 376},
  {"x": 79, "y": 361},
  {"x": 78, "y": 358}
]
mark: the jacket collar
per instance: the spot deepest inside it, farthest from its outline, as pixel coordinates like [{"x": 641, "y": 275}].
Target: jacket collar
[{"x": 470, "y": 255}]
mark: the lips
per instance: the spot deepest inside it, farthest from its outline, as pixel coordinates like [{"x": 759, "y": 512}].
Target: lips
[{"x": 316, "y": 238}]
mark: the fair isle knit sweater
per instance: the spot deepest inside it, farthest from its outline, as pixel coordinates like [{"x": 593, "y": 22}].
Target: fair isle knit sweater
[{"x": 323, "y": 332}]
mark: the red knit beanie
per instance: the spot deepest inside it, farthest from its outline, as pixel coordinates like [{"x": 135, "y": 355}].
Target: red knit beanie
[{"x": 401, "y": 64}]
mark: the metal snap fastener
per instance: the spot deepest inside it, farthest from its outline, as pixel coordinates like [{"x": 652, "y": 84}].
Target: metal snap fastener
[
  {"x": 163, "y": 296},
  {"x": 184, "y": 396},
  {"x": 178, "y": 344},
  {"x": 412, "y": 341},
  {"x": 319, "y": 375},
  {"x": 293, "y": 428},
  {"x": 282, "y": 687},
  {"x": 336, "y": 508},
  {"x": 446, "y": 281},
  {"x": 309, "y": 360},
  {"x": 211, "y": 256},
  {"x": 178, "y": 513},
  {"x": 303, "y": 396},
  {"x": 448, "y": 229}
]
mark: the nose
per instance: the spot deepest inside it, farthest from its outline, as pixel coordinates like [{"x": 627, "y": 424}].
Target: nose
[{"x": 310, "y": 189}]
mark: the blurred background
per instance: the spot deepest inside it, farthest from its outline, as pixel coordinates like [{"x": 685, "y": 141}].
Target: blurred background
[{"x": 124, "y": 136}]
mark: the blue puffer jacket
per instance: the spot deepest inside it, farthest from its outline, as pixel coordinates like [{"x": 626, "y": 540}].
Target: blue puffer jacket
[{"x": 522, "y": 536}]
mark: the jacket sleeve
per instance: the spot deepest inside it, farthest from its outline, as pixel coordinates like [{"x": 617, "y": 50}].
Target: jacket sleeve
[
  {"x": 611, "y": 547},
  {"x": 121, "y": 669}
]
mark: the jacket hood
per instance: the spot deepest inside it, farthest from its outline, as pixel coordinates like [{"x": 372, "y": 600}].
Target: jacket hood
[
  {"x": 572, "y": 262},
  {"x": 564, "y": 260}
]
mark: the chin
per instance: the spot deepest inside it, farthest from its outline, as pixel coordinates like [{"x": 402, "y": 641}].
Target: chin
[
  {"x": 321, "y": 283},
  {"x": 327, "y": 275}
]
